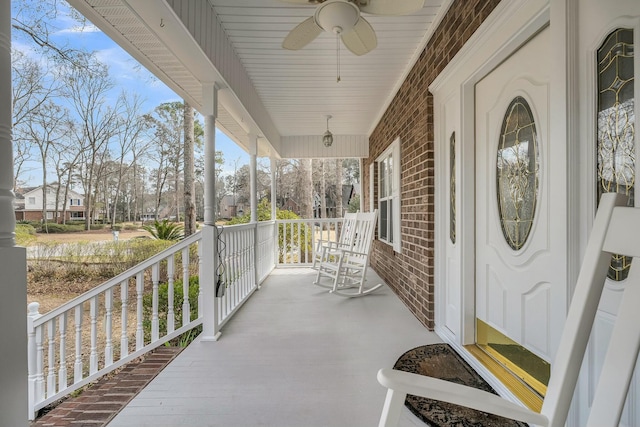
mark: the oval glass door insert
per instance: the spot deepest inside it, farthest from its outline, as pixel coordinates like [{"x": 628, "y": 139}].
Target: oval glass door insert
[{"x": 517, "y": 173}]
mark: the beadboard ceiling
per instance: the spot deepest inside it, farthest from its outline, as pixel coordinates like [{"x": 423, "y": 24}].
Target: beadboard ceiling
[{"x": 296, "y": 88}]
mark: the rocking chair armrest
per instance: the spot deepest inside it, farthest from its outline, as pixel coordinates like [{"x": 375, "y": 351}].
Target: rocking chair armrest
[
  {"x": 437, "y": 389},
  {"x": 334, "y": 245},
  {"x": 344, "y": 251}
]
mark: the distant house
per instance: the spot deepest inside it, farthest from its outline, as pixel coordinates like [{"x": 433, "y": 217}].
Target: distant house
[
  {"x": 229, "y": 208},
  {"x": 29, "y": 205},
  {"x": 348, "y": 191}
]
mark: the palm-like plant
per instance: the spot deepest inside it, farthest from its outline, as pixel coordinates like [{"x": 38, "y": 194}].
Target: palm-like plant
[{"x": 165, "y": 230}]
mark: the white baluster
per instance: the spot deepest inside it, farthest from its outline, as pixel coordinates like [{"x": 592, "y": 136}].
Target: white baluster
[
  {"x": 155, "y": 273},
  {"x": 243, "y": 265},
  {"x": 170, "y": 274},
  {"x": 108, "y": 345},
  {"x": 255, "y": 254},
  {"x": 51, "y": 357},
  {"x": 32, "y": 356},
  {"x": 93, "y": 352},
  {"x": 186, "y": 306},
  {"x": 248, "y": 251},
  {"x": 139, "y": 330},
  {"x": 77, "y": 366},
  {"x": 62, "y": 371},
  {"x": 231, "y": 272},
  {"x": 124, "y": 317},
  {"x": 300, "y": 248},
  {"x": 200, "y": 292},
  {"x": 40, "y": 390},
  {"x": 237, "y": 272},
  {"x": 285, "y": 243}
]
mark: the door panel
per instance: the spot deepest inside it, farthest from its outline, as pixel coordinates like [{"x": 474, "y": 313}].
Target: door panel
[{"x": 515, "y": 291}]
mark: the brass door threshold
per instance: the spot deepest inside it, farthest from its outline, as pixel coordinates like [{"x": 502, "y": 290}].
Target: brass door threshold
[{"x": 526, "y": 394}]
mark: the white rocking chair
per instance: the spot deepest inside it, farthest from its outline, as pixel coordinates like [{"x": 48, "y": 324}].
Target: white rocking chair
[
  {"x": 347, "y": 267},
  {"x": 327, "y": 248},
  {"x": 616, "y": 229}
]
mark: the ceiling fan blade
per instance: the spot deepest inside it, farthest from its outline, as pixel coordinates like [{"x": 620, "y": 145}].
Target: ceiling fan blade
[
  {"x": 362, "y": 39},
  {"x": 390, "y": 7},
  {"x": 303, "y": 34}
]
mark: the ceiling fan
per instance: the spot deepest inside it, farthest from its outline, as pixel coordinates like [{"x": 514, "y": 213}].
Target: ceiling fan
[{"x": 343, "y": 18}]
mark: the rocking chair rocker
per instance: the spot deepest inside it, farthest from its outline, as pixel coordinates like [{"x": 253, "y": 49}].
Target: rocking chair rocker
[{"x": 616, "y": 229}]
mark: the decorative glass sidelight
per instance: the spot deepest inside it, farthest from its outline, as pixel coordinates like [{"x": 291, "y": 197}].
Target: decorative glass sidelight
[
  {"x": 452, "y": 187},
  {"x": 517, "y": 173},
  {"x": 616, "y": 147}
]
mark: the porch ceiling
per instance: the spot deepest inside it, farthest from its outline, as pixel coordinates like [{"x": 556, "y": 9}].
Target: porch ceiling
[{"x": 290, "y": 92}]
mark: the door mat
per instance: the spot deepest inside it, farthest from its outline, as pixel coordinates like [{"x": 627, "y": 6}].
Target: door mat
[{"x": 441, "y": 361}]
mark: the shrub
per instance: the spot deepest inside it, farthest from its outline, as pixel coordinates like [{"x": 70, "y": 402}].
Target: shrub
[
  {"x": 80, "y": 260},
  {"x": 299, "y": 238},
  {"x": 165, "y": 230},
  {"x": 354, "y": 204},
  {"x": 163, "y": 305},
  {"x": 25, "y": 234},
  {"x": 52, "y": 227}
]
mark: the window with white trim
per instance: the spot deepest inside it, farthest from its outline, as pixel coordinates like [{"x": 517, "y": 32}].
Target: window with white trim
[{"x": 389, "y": 196}]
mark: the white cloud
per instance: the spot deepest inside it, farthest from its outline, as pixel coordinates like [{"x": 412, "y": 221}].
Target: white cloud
[{"x": 90, "y": 28}]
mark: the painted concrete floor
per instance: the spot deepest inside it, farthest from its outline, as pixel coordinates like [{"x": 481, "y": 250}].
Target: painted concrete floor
[{"x": 293, "y": 356}]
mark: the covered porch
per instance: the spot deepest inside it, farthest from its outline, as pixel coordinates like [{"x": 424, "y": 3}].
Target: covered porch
[
  {"x": 294, "y": 355},
  {"x": 410, "y": 103}
]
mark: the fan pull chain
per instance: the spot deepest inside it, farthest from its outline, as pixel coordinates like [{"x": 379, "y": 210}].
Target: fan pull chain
[{"x": 338, "y": 57}]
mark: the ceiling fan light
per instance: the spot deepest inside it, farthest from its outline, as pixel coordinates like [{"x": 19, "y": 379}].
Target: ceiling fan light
[{"x": 337, "y": 16}]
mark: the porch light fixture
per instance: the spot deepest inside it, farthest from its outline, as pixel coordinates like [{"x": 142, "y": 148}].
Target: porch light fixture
[{"x": 327, "y": 138}]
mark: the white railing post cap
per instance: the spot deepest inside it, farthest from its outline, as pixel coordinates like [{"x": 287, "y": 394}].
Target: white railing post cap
[{"x": 33, "y": 310}]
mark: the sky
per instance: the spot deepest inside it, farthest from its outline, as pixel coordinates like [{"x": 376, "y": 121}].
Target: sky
[{"x": 128, "y": 74}]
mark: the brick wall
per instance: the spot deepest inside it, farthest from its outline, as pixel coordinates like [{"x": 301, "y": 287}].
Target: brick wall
[
  {"x": 24, "y": 215},
  {"x": 410, "y": 117}
]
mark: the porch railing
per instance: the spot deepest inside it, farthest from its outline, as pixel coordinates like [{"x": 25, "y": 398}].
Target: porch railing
[
  {"x": 299, "y": 239},
  {"x": 141, "y": 309}
]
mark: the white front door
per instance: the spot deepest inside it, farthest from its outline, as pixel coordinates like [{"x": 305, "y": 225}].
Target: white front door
[{"x": 520, "y": 246}]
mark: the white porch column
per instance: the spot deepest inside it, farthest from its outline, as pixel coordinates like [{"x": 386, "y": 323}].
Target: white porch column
[
  {"x": 274, "y": 199},
  {"x": 13, "y": 259},
  {"x": 253, "y": 174},
  {"x": 253, "y": 191},
  {"x": 208, "y": 279}
]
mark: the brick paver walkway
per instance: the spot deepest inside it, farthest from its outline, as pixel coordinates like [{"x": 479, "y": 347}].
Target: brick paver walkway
[{"x": 100, "y": 402}]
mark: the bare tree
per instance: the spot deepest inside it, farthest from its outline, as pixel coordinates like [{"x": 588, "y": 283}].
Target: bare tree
[
  {"x": 34, "y": 20},
  {"x": 132, "y": 126},
  {"x": 167, "y": 122},
  {"x": 323, "y": 190},
  {"x": 189, "y": 185},
  {"x": 66, "y": 159},
  {"x": 97, "y": 122},
  {"x": 30, "y": 91},
  {"x": 46, "y": 126},
  {"x": 338, "y": 179},
  {"x": 306, "y": 189}
]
